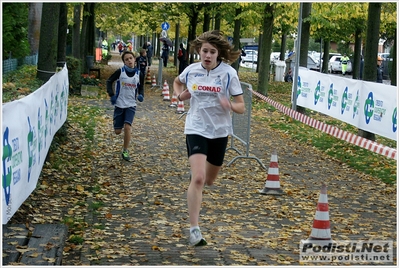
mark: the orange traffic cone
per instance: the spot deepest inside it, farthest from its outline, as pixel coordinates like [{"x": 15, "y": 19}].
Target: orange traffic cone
[
  {"x": 321, "y": 233},
  {"x": 180, "y": 107},
  {"x": 173, "y": 102},
  {"x": 148, "y": 78},
  {"x": 272, "y": 185},
  {"x": 166, "y": 96}
]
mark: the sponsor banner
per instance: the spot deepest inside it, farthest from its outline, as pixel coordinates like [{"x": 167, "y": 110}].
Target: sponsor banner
[
  {"x": 365, "y": 105},
  {"x": 331, "y": 130},
  {"x": 28, "y": 127},
  {"x": 346, "y": 251}
]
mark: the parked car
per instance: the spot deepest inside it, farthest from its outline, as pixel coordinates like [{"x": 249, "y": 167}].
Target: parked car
[
  {"x": 275, "y": 56},
  {"x": 312, "y": 64},
  {"x": 330, "y": 55},
  {"x": 385, "y": 56},
  {"x": 386, "y": 65},
  {"x": 334, "y": 65},
  {"x": 251, "y": 56},
  {"x": 316, "y": 56}
]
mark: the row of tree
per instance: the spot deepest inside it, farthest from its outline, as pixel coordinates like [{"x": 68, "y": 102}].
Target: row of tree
[
  {"x": 362, "y": 24},
  {"x": 344, "y": 23}
]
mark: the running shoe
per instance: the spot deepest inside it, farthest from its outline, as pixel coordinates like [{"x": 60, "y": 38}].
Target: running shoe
[
  {"x": 125, "y": 155},
  {"x": 196, "y": 238}
]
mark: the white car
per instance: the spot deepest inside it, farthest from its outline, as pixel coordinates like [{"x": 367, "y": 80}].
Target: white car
[
  {"x": 251, "y": 56},
  {"x": 385, "y": 56},
  {"x": 311, "y": 65},
  {"x": 275, "y": 56},
  {"x": 334, "y": 65}
]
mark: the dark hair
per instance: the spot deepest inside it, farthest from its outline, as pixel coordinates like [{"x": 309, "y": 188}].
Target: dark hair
[
  {"x": 127, "y": 52},
  {"x": 216, "y": 39}
]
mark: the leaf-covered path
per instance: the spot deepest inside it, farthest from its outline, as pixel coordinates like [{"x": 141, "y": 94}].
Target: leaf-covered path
[
  {"x": 135, "y": 213},
  {"x": 143, "y": 215}
]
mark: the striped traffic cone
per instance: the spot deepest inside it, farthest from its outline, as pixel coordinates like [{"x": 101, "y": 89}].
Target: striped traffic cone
[
  {"x": 180, "y": 107},
  {"x": 154, "y": 81},
  {"x": 321, "y": 233},
  {"x": 148, "y": 78},
  {"x": 173, "y": 102},
  {"x": 272, "y": 185},
  {"x": 166, "y": 96},
  {"x": 164, "y": 88}
]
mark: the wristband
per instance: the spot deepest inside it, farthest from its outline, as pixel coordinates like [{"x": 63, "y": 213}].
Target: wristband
[{"x": 178, "y": 97}]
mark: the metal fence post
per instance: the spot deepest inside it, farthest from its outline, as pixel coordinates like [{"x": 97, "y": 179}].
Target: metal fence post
[
  {"x": 160, "y": 73},
  {"x": 242, "y": 127}
]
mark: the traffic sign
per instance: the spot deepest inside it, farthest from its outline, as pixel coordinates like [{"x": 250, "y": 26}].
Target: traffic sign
[{"x": 165, "y": 26}]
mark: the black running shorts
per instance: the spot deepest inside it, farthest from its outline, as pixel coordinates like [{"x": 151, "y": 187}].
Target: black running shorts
[{"x": 214, "y": 149}]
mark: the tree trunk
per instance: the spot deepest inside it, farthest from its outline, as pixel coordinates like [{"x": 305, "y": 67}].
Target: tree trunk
[
  {"x": 76, "y": 31},
  {"x": 283, "y": 45},
  {"x": 47, "y": 60},
  {"x": 303, "y": 57},
  {"x": 88, "y": 34},
  {"x": 236, "y": 37},
  {"x": 62, "y": 35},
  {"x": 207, "y": 17},
  {"x": 372, "y": 39},
  {"x": 260, "y": 38},
  {"x": 154, "y": 42},
  {"x": 326, "y": 51},
  {"x": 83, "y": 36},
  {"x": 265, "y": 49},
  {"x": 192, "y": 33},
  {"x": 35, "y": 18},
  {"x": 177, "y": 44},
  {"x": 92, "y": 31},
  {"x": 358, "y": 51},
  {"x": 371, "y": 52},
  {"x": 218, "y": 18},
  {"x": 190, "y": 55},
  {"x": 393, "y": 68}
]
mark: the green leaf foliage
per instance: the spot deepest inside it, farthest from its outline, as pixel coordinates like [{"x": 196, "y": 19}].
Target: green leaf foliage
[{"x": 15, "y": 30}]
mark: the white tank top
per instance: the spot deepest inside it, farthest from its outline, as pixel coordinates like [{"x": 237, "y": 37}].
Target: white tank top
[{"x": 126, "y": 88}]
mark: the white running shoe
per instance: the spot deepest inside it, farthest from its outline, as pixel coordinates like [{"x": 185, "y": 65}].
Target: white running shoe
[{"x": 196, "y": 238}]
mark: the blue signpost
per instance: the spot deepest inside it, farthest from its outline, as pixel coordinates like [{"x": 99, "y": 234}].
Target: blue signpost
[{"x": 165, "y": 26}]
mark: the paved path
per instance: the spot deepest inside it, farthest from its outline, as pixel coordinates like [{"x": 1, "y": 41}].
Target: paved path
[{"x": 146, "y": 223}]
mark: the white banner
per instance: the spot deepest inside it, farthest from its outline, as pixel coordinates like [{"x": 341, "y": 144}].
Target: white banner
[
  {"x": 29, "y": 125},
  {"x": 365, "y": 105}
]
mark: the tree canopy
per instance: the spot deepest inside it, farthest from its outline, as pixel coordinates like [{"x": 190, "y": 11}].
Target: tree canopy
[
  {"x": 15, "y": 30},
  {"x": 335, "y": 21}
]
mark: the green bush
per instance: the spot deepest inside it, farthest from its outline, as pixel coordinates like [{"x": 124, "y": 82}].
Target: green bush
[{"x": 15, "y": 30}]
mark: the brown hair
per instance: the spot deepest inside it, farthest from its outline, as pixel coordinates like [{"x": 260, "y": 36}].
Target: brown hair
[
  {"x": 216, "y": 39},
  {"x": 127, "y": 52}
]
